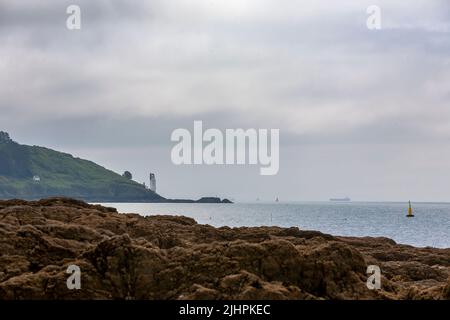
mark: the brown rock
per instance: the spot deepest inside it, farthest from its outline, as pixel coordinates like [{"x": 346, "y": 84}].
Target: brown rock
[{"x": 127, "y": 256}]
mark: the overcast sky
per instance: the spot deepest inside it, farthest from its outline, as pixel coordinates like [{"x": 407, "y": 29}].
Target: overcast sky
[{"x": 361, "y": 113}]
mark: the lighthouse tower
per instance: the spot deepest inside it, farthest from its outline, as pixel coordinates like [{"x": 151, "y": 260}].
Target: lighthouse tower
[{"x": 152, "y": 182}]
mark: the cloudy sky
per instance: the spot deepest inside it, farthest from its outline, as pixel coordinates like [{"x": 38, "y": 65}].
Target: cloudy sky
[{"x": 363, "y": 113}]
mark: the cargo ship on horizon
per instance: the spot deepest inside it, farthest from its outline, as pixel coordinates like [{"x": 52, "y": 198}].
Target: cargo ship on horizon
[{"x": 346, "y": 199}]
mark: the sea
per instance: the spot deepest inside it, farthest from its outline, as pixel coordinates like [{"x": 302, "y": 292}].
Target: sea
[{"x": 430, "y": 227}]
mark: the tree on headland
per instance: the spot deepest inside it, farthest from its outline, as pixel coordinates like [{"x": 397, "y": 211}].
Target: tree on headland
[
  {"x": 4, "y": 137},
  {"x": 128, "y": 175}
]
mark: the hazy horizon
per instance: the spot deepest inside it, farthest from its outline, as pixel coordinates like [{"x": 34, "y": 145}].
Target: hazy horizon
[{"x": 362, "y": 113}]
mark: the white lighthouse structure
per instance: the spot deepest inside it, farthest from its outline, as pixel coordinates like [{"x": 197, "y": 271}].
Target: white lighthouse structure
[{"x": 152, "y": 182}]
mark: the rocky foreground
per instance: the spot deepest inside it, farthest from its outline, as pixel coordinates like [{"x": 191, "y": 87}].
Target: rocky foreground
[{"x": 127, "y": 256}]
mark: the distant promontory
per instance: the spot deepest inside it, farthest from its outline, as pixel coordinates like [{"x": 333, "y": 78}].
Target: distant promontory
[{"x": 33, "y": 172}]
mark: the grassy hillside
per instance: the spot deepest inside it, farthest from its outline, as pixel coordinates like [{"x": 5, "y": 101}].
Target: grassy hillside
[{"x": 61, "y": 175}]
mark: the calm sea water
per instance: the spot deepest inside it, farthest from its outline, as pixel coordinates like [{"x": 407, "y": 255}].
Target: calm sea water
[{"x": 429, "y": 227}]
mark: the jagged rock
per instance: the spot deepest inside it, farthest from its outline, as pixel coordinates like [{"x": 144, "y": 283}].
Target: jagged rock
[{"x": 127, "y": 256}]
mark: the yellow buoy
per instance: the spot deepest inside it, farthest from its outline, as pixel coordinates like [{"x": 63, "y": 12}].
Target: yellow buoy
[{"x": 410, "y": 212}]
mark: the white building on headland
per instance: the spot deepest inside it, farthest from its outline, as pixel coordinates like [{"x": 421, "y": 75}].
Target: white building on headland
[
  {"x": 152, "y": 182},
  {"x": 36, "y": 178}
]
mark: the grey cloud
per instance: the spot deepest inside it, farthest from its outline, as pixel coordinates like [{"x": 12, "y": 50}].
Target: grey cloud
[{"x": 139, "y": 69}]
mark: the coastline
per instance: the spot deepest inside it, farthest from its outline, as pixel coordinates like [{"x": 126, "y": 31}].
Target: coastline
[
  {"x": 172, "y": 257},
  {"x": 126, "y": 200}
]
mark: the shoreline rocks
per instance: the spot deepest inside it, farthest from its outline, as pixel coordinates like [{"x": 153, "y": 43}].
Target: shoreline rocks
[{"x": 128, "y": 256}]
